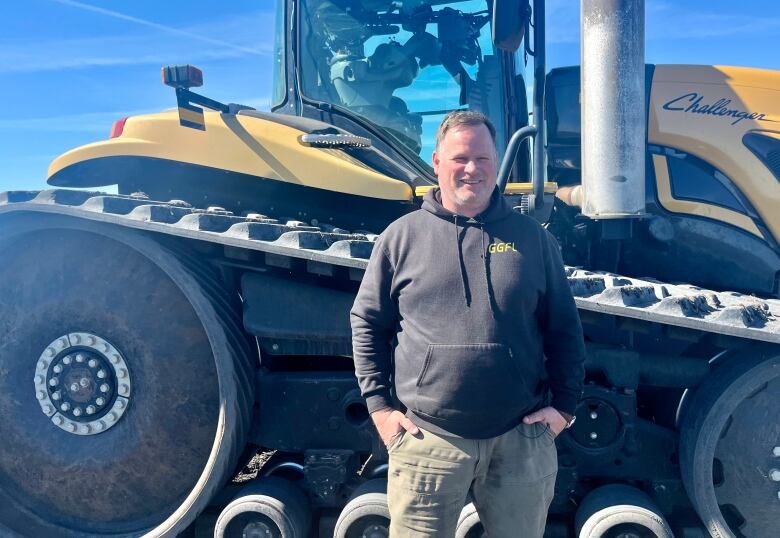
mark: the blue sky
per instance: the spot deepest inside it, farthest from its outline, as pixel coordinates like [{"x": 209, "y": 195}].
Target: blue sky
[{"x": 69, "y": 68}]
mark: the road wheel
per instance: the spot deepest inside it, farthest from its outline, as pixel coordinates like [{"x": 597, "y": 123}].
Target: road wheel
[
  {"x": 269, "y": 508},
  {"x": 469, "y": 525},
  {"x": 729, "y": 453},
  {"x": 619, "y": 511},
  {"x": 366, "y": 514},
  {"x": 125, "y": 389}
]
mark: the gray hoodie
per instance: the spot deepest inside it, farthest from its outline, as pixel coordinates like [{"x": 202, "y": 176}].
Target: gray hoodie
[{"x": 469, "y": 320}]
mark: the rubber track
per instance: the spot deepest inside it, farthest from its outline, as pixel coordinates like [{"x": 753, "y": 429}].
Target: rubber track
[
  {"x": 243, "y": 367},
  {"x": 727, "y": 313}
]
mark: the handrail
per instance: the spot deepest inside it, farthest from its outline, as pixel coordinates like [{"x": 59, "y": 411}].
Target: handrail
[{"x": 511, "y": 153}]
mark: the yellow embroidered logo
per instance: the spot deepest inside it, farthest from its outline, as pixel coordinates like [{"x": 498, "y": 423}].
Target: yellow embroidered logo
[{"x": 501, "y": 247}]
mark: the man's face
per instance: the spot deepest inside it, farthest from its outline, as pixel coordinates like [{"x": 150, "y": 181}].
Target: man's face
[{"x": 465, "y": 164}]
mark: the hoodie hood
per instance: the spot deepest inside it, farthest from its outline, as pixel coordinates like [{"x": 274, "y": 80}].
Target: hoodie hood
[{"x": 498, "y": 209}]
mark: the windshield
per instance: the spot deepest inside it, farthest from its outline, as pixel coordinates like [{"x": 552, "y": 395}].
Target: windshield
[{"x": 402, "y": 64}]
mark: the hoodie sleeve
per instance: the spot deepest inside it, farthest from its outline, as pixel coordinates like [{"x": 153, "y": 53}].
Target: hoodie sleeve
[
  {"x": 561, "y": 330},
  {"x": 374, "y": 318}
]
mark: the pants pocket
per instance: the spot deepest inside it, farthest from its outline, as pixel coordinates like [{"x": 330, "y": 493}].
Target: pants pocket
[
  {"x": 548, "y": 431},
  {"x": 395, "y": 441},
  {"x": 535, "y": 455},
  {"x": 538, "y": 431}
]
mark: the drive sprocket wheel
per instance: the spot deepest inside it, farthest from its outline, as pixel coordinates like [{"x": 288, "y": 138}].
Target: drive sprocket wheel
[
  {"x": 729, "y": 446},
  {"x": 84, "y": 309}
]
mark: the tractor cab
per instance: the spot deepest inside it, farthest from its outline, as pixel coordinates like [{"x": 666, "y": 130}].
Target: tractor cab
[{"x": 390, "y": 71}]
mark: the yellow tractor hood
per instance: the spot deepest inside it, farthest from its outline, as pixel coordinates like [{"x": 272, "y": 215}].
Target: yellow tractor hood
[{"x": 238, "y": 143}]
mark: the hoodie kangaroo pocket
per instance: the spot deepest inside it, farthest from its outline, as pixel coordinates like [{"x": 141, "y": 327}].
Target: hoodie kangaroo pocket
[{"x": 471, "y": 382}]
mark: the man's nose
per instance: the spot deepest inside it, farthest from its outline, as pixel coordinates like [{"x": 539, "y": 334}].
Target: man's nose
[{"x": 471, "y": 166}]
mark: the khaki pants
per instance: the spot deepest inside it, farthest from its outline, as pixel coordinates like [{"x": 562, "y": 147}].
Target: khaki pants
[{"x": 511, "y": 478}]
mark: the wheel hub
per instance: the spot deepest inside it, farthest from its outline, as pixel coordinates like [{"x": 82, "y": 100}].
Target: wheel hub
[
  {"x": 257, "y": 529},
  {"x": 376, "y": 531},
  {"x": 82, "y": 383}
]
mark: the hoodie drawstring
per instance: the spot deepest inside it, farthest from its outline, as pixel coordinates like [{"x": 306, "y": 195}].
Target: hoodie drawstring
[
  {"x": 486, "y": 263},
  {"x": 463, "y": 276}
]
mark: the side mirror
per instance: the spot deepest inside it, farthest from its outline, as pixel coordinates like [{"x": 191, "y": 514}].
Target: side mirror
[{"x": 509, "y": 21}]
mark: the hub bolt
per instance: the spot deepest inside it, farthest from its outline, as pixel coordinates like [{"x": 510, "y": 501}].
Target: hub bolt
[
  {"x": 57, "y": 368},
  {"x": 65, "y": 406},
  {"x": 39, "y": 379},
  {"x": 55, "y": 395},
  {"x": 101, "y": 374},
  {"x": 100, "y": 401},
  {"x": 84, "y": 382},
  {"x": 74, "y": 387},
  {"x": 104, "y": 387},
  {"x": 77, "y": 412},
  {"x": 594, "y": 435},
  {"x": 594, "y": 415},
  {"x": 774, "y": 475},
  {"x": 67, "y": 360},
  {"x": 92, "y": 363},
  {"x": 776, "y": 451},
  {"x": 90, "y": 409},
  {"x": 53, "y": 382},
  {"x": 80, "y": 357}
]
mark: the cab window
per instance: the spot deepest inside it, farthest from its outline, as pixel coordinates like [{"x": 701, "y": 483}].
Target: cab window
[{"x": 693, "y": 179}]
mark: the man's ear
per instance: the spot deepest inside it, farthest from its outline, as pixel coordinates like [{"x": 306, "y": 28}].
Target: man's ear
[{"x": 435, "y": 161}]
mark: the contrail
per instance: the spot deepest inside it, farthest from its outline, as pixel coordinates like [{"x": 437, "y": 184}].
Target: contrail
[{"x": 157, "y": 26}]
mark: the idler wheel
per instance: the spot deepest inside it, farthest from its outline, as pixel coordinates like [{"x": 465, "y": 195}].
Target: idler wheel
[
  {"x": 469, "y": 525},
  {"x": 366, "y": 514},
  {"x": 619, "y": 511},
  {"x": 729, "y": 453},
  {"x": 124, "y": 382},
  {"x": 269, "y": 508}
]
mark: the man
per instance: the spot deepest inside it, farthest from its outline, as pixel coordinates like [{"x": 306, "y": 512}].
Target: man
[{"x": 460, "y": 304}]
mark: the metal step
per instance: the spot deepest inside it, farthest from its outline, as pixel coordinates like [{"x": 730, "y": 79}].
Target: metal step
[{"x": 681, "y": 305}]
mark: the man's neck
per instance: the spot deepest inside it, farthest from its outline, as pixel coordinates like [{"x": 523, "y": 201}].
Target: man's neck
[{"x": 463, "y": 211}]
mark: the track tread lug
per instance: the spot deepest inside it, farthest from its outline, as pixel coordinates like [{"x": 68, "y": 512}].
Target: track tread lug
[
  {"x": 161, "y": 213},
  {"x": 115, "y": 205},
  {"x": 208, "y": 222}
]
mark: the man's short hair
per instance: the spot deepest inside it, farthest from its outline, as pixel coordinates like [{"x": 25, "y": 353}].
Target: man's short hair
[{"x": 460, "y": 118}]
